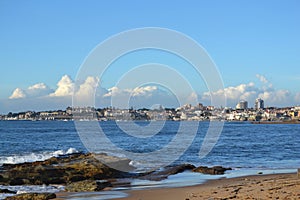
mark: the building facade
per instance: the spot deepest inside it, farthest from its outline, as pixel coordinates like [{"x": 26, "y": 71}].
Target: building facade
[
  {"x": 242, "y": 105},
  {"x": 259, "y": 104}
]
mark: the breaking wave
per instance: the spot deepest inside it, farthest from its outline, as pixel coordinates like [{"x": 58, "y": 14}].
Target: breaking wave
[{"x": 32, "y": 157}]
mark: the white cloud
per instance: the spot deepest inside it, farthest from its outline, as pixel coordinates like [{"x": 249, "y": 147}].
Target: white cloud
[
  {"x": 63, "y": 92},
  {"x": 136, "y": 92},
  {"x": 18, "y": 93},
  {"x": 65, "y": 87},
  {"x": 36, "y": 90},
  {"x": 112, "y": 92},
  {"x": 143, "y": 96},
  {"x": 144, "y": 91},
  {"x": 192, "y": 98},
  {"x": 89, "y": 86},
  {"x": 38, "y": 86},
  {"x": 250, "y": 92},
  {"x": 262, "y": 78},
  {"x": 233, "y": 94},
  {"x": 86, "y": 92},
  {"x": 279, "y": 97},
  {"x": 249, "y": 95},
  {"x": 89, "y": 93}
]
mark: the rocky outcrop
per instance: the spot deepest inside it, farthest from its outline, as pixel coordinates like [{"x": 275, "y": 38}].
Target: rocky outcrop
[
  {"x": 63, "y": 170},
  {"x": 84, "y": 172},
  {"x": 167, "y": 171},
  {"x": 87, "y": 186},
  {"x": 32, "y": 196},
  {"x": 79, "y": 172},
  {"x": 216, "y": 170}
]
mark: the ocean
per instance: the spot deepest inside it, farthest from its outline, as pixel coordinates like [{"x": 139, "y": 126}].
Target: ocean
[{"x": 245, "y": 147}]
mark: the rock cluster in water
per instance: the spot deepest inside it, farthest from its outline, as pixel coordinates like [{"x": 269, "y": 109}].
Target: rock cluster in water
[
  {"x": 32, "y": 196},
  {"x": 84, "y": 172},
  {"x": 217, "y": 170},
  {"x": 62, "y": 170}
]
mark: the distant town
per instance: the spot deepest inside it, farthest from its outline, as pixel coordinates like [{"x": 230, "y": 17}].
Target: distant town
[{"x": 187, "y": 112}]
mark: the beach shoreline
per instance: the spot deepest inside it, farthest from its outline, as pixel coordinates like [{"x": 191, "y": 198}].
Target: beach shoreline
[
  {"x": 260, "y": 186},
  {"x": 274, "y": 186}
]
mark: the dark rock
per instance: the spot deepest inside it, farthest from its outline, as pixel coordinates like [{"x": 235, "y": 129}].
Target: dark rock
[
  {"x": 32, "y": 196},
  {"x": 87, "y": 185},
  {"x": 62, "y": 170},
  {"x": 7, "y": 191},
  {"x": 216, "y": 170},
  {"x": 76, "y": 178},
  {"x": 16, "y": 181},
  {"x": 167, "y": 171},
  {"x": 120, "y": 183}
]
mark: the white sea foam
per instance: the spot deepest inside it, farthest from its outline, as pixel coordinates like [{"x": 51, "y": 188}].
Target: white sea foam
[
  {"x": 71, "y": 151},
  {"x": 14, "y": 159},
  {"x": 32, "y": 157},
  {"x": 137, "y": 164}
]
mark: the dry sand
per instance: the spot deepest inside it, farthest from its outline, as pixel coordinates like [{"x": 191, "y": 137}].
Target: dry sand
[{"x": 278, "y": 186}]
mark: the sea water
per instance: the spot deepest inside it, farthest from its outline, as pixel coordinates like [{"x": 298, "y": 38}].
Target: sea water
[{"x": 245, "y": 147}]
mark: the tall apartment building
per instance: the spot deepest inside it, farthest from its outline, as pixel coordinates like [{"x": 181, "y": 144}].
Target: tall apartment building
[
  {"x": 242, "y": 105},
  {"x": 259, "y": 104}
]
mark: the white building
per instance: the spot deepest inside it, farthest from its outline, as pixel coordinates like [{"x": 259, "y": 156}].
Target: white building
[
  {"x": 259, "y": 104},
  {"x": 242, "y": 105}
]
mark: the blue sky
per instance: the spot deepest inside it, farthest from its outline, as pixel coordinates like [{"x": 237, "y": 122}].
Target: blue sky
[{"x": 41, "y": 41}]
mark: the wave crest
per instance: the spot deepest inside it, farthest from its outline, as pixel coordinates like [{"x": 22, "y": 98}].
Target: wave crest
[{"x": 32, "y": 157}]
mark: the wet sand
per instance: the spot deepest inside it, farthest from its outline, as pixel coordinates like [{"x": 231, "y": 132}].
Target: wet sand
[{"x": 275, "y": 186}]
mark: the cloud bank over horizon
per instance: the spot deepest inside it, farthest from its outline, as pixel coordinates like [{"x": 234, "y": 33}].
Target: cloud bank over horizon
[
  {"x": 41, "y": 97},
  {"x": 36, "y": 90},
  {"x": 250, "y": 91}
]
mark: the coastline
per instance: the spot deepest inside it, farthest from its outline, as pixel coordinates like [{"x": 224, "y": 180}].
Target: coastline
[
  {"x": 248, "y": 149},
  {"x": 277, "y": 122},
  {"x": 274, "y": 186},
  {"x": 176, "y": 182},
  {"x": 266, "y": 186}
]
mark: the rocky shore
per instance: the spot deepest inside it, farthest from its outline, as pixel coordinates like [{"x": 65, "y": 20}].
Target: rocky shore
[
  {"x": 61, "y": 170},
  {"x": 83, "y": 172}
]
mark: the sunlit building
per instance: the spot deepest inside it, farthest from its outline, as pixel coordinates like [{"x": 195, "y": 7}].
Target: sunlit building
[
  {"x": 242, "y": 105},
  {"x": 259, "y": 104}
]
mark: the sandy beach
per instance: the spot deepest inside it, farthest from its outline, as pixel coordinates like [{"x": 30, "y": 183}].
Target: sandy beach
[{"x": 275, "y": 186}]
